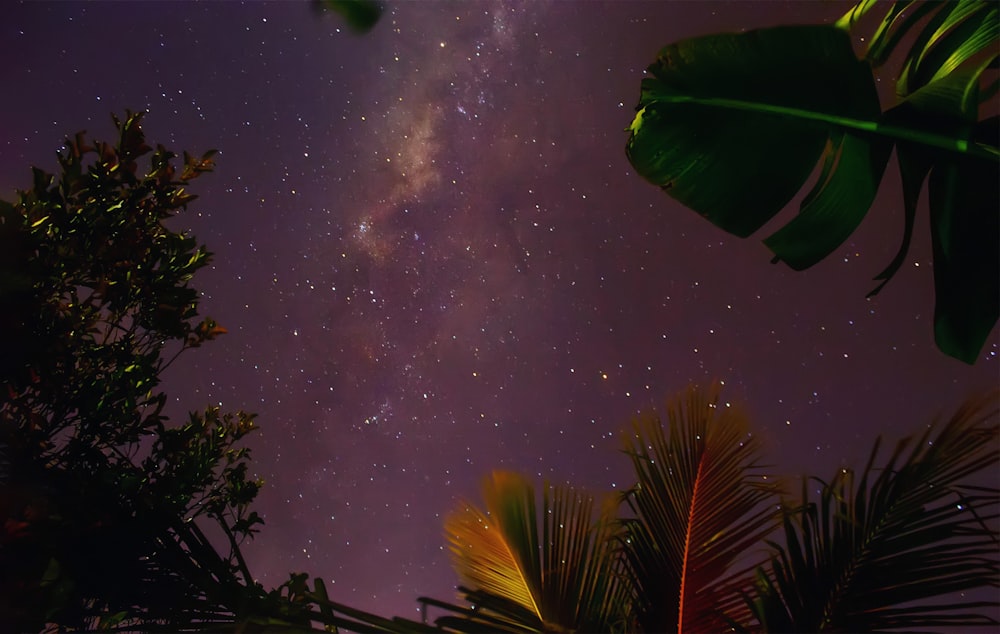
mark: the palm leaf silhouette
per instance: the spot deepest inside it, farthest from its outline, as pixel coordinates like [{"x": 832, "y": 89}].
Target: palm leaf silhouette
[
  {"x": 560, "y": 579},
  {"x": 699, "y": 505},
  {"x": 913, "y": 531}
]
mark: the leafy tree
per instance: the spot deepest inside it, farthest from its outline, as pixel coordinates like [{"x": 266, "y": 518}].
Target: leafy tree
[
  {"x": 111, "y": 516},
  {"x": 732, "y": 125},
  {"x": 886, "y": 552},
  {"x": 99, "y": 289}
]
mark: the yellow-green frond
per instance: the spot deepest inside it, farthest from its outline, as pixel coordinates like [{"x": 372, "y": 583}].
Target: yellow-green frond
[{"x": 490, "y": 551}]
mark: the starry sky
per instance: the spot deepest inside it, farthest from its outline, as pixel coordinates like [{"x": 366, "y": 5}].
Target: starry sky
[{"x": 434, "y": 260}]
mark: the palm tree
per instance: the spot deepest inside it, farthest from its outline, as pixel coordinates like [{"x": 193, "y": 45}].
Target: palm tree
[
  {"x": 696, "y": 507},
  {"x": 886, "y": 552},
  {"x": 699, "y": 502},
  {"x": 916, "y": 530}
]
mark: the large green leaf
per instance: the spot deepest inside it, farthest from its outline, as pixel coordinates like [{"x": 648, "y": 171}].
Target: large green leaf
[
  {"x": 360, "y": 15},
  {"x": 732, "y": 125},
  {"x": 699, "y": 506},
  {"x": 965, "y": 234},
  {"x": 890, "y": 550},
  {"x": 963, "y": 201}
]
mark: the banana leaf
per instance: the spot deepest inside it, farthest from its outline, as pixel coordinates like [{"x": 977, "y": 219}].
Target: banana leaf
[{"x": 732, "y": 125}]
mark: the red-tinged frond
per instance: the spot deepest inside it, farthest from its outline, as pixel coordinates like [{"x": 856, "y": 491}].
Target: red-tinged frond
[{"x": 700, "y": 506}]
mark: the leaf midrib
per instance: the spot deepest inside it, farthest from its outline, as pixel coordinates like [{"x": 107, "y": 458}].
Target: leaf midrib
[
  {"x": 687, "y": 542},
  {"x": 900, "y": 133},
  {"x": 861, "y": 553}
]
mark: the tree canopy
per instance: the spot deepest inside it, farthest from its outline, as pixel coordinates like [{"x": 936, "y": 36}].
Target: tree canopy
[{"x": 112, "y": 515}]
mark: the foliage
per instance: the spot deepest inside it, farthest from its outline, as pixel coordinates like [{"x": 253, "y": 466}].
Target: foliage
[
  {"x": 360, "y": 15},
  {"x": 104, "y": 503},
  {"x": 564, "y": 578},
  {"x": 732, "y": 125},
  {"x": 911, "y": 531},
  {"x": 99, "y": 293},
  {"x": 700, "y": 504},
  {"x": 871, "y": 556}
]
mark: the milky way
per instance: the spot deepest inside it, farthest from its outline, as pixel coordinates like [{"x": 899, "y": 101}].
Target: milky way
[{"x": 434, "y": 260}]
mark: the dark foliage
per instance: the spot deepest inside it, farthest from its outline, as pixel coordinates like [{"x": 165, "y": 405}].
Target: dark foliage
[{"x": 103, "y": 501}]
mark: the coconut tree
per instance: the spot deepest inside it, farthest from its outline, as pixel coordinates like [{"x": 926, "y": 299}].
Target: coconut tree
[
  {"x": 690, "y": 550},
  {"x": 897, "y": 548},
  {"x": 667, "y": 564},
  {"x": 699, "y": 504}
]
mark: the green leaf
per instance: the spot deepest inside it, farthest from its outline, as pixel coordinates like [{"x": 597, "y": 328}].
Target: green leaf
[
  {"x": 959, "y": 31},
  {"x": 964, "y": 206},
  {"x": 837, "y": 204},
  {"x": 562, "y": 576},
  {"x": 731, "y": 125},
  {"x": 895, "y": 26},
  {"x": 858, "y": 11},
  {"x": 699, "y": 505},
  {"x": 360, "y": 15},
  {"x": 890, "y": 550},
  {"x": 914, "y": 166}
]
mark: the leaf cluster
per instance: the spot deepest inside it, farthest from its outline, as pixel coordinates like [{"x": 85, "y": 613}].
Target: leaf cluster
[
  {"x": 99, "y": 303},
  {"x": 732, "y": 126},
  {"x": 914, "y": 530},
  {"x": 114, "y": 518},
  {"x": 690, "y": 548}
]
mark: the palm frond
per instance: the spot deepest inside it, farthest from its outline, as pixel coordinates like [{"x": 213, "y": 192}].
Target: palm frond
[
  {"x": 562, "y": 576},
  {"x": 700, "y": 505},
  {"x": 916, "y": 530},
  {"x": 499, "y": 554}
]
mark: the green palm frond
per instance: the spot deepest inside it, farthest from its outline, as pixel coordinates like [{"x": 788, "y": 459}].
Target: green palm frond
[
  {"x": 699, "y": 505},
  {"x": 559, "y": 576},
  {"x": 913, "y": 531}
]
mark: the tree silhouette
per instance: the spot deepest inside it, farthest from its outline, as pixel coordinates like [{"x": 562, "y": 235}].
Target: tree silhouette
[{"x": 112, "y": 516}]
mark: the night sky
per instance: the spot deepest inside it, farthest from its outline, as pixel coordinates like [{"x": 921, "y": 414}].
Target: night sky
[{"x": 434, "y": 260}]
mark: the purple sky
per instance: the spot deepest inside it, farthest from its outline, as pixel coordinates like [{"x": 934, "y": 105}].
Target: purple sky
[{"x": 434, "y": 260}]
